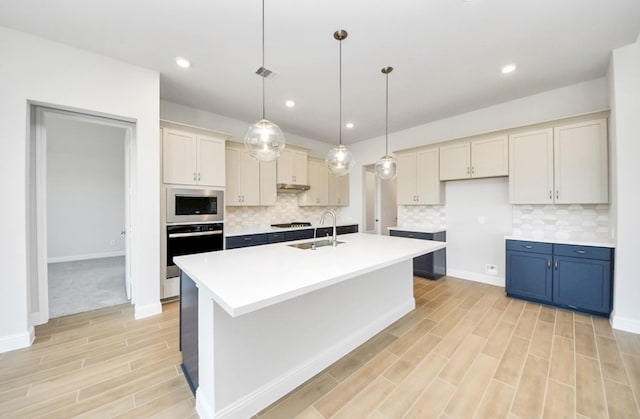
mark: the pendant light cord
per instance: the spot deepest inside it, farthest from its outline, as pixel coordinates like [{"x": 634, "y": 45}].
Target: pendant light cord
[
  {"x": 386, "y": 126},
  {"x": 340, "y": 87},
  {"x": 263, "y": 100}
]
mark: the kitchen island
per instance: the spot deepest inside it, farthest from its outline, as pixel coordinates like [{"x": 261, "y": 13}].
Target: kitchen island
[{"x": 271, "y": 317}]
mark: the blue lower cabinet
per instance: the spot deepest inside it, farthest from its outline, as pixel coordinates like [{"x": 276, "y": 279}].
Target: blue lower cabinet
[
  {"x": 299, "y": 234},
  {"x": 583, "y": 284},
  {"x": 277, "y": 237},
  {"x": 432, "y": 265},
  {"x": 235, "y": 242},
  {"x": 529, "y": 276},
  {"x": 569, "y": 276}
]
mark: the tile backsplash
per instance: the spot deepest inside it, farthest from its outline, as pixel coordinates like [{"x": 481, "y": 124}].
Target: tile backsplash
[
  {"x": 286, "y": 209},
  {"x": 562, "y": 222},
  {"x": 433, "y": 216}
]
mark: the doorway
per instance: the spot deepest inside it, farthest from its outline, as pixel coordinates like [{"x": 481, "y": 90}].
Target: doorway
[
  {"x": 82, "y": 206},
  {"x": 380, "y": 202}
]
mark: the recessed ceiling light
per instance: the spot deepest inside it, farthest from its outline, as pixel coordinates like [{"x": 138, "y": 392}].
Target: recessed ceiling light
[
  {"x": 349, "y": 125},
  {"x": 183, "y": 62},
  {"x": 289, "y": 103},
  {"x": 509, "y": 68}
]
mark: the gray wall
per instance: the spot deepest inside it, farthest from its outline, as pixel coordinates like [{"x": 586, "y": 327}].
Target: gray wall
[{"x": 85, "y": 190}]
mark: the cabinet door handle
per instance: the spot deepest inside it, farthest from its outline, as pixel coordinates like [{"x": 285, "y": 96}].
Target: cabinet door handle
[
  {"x": 527, "y": 246},
  {"x": 548, "y": 263},
  {"x": 468, "y": 170},
  {"x": 557, "y": 194},
  {"x": 581, "y": 252},
  {"x": 195, "y": 176},
  {"x": 473, "y": 169},
  {"x": 556, "y": 264},
  {"x": 550, "y": 195}
]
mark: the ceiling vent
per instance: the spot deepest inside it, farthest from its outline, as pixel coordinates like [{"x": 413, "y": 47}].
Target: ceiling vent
[{"x": 265, "y": 72}]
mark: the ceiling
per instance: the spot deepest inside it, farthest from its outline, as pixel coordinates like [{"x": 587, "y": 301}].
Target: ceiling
[{"x": 447, "y": 54}]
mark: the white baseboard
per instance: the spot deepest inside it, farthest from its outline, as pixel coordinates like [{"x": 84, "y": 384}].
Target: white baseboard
[
  {"x": 87, "y": 256},
  {"x": 276, "y": 388},
  {"x": 147, "y": 310},
  {"x": 625, "y": 324},
  {"x": 477, "y": 277},
  {"x": 17, "y": 341}
]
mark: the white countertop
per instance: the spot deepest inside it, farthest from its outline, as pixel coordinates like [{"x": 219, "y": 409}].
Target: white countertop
[
  {"x": 560, "y": 241},
  {"x": 248, "y": 279},
  {"x": 418, "y": 229},
  {"x": 242, "y": 231}
]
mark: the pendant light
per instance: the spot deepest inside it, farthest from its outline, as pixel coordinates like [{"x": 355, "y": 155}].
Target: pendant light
[
  {"x": 340, "y": 160},
  {"x": 264, "y": 140},
  {"x": 386, "y": 166}
]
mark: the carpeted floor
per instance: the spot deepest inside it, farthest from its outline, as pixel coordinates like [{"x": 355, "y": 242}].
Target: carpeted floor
[{"x": 85, "y": 285}]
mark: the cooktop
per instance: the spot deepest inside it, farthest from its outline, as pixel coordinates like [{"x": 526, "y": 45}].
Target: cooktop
[{"x": 292, "y": 224}]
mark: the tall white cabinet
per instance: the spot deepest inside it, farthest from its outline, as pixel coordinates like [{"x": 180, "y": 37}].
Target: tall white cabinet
[
  {"x": 325, "y": 188},
  {"x": 418, "y": 177},
  {"x": 566, "y": 164}
]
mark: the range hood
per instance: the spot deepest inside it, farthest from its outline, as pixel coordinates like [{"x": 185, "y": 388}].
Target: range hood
[{"x": 292, "y": 187}]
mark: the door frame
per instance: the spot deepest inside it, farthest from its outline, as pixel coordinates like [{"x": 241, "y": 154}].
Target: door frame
[{"x": 39, "y": 140}]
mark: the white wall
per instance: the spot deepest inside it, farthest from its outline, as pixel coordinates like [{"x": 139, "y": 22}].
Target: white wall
[
  {"x": 237, "y": 129},
  {"x": 37, "y": 70},
  {"x": 568, "y": 101},
  {"x": 625, "y": 146},
  {"x": 85, "y": 189}
]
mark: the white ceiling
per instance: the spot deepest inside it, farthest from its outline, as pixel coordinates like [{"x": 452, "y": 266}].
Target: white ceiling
[{"x": 447, "y": 54}]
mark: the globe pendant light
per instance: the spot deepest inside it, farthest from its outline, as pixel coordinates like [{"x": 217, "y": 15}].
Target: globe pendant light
[
  {"x": 386, "y": 166},
  {"x": 340, "y": 160},
  {"x": 264, "y": 140}
]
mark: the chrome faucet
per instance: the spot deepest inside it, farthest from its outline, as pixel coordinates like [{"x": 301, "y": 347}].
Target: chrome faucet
[{"x": 334, "y": 239}]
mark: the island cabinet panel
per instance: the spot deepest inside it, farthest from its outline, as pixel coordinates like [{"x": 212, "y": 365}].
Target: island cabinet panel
[
  {"x": 432, "y": 265},
  {"x": 418, "y": 178},
  {"x": 569, "y": 276},
  {"x": 189, "y": 330}
]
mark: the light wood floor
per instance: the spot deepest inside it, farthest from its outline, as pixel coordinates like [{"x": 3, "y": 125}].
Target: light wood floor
[{"x": 466, "y": 351}]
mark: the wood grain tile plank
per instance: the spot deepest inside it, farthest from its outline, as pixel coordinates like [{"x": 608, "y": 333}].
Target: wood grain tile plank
[
  {"x": 529, "y": 397},
  {"x": 563, "y": 361},
  {"x": 462, "y": 359},
  {"x": 470, "y": 392},
  {"x": 432, "y": 401},
  {"x": 590, "y": 399},
  {"x": 487, "y": 323},
  {"x": 512, "y": 362},
  {"x": 620, "y": 400},
  {"x": 611, "y": 360},
  {"x": 365, "y": 403},
  {"x": 496, "y": 402},
  {"x": 410, "y": 359},
  {"x": 585, "y": 339},
  {"x": 542, "y": 339},
  {"x": 559, "y": 401},
  {"x": 301, "y": 398},
  {"x": 498, "y": 340}
]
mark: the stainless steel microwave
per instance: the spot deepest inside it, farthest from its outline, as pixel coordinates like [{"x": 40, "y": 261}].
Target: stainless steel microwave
[{"x": 194, "y": 205}]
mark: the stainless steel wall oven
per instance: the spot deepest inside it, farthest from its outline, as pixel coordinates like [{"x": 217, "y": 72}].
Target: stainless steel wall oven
[{"x": 191, "y": 238}]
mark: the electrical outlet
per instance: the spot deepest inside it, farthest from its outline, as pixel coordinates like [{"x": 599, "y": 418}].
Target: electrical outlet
[{"x": 491, "y": 269}]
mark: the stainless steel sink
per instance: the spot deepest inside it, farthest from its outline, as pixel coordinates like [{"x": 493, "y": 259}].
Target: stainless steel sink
[{"x": 310, "y": 245}]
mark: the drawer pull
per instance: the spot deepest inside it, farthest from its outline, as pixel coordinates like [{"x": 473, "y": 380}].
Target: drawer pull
[
  {"x": 581, "y": 252},
  {"x": 248, "y": 239},
  {"x": 527, "y": 246}
]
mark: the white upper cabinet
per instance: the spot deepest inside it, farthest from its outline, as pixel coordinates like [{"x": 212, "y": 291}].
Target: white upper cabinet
[
  {"x": 338, "y": 190},
  {"x": 249, "y": 182},
  {"x": 318, "y": 177},
  {"x": 581, "y": 163},
  {"x": 418, "y": 177},
  {"x": 531, "y": 167},
  {"x": 564, "y": 165},
  {"x": 477, "y": 158},
  {"x": 190, "y": 158},
  {"x": 292, "y": 166}
]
